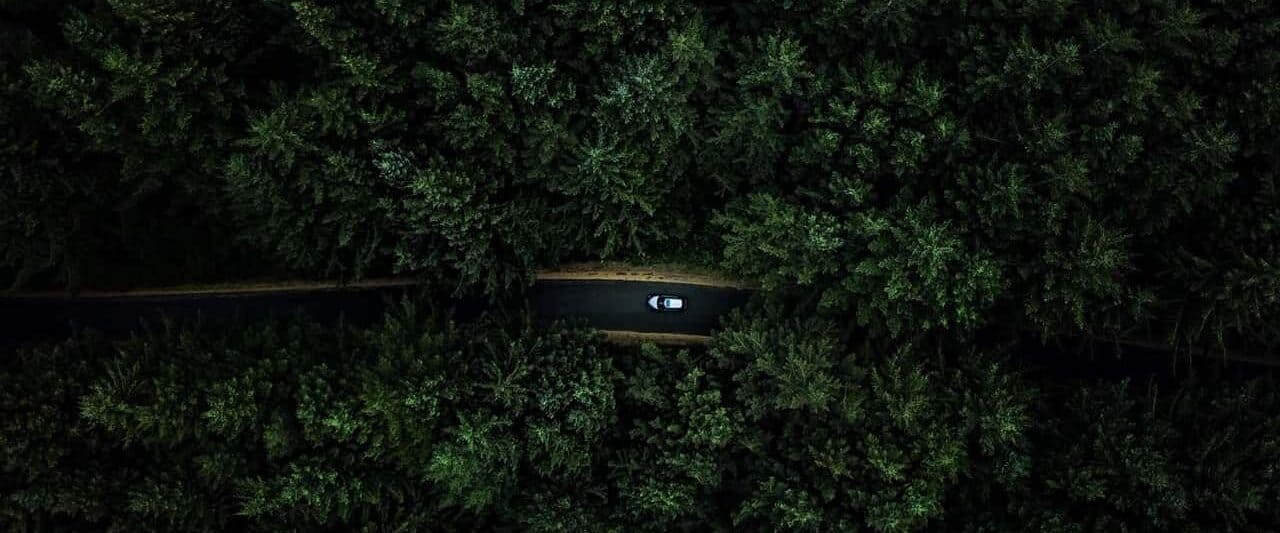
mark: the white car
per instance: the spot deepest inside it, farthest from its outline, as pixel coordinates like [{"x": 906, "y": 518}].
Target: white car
[{"x": 664, "y": 302}]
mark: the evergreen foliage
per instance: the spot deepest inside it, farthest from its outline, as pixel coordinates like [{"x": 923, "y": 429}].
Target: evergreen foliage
[
  {"x": 779, "y": 424},
  {"x": 1064, "y": 165},
  {"x": 919, "y": 174}
]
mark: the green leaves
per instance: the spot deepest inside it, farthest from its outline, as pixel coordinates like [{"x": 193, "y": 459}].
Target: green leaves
[
  {"x": 472, "y": 34},
  {"x": 1093, "y": 265},
  {"x": 916, "y": 263},
  {"x": 533, "y": 85},
  {"x": 842, "y": 440},
  {"x": 1142, "y": 457},
  {"x": 923, "y": 165},
  {"x": 306, "y": 492},
  {"x": 678, "y": 443},
  {"x": 899, "y": 270},
  {"x": 778, "y": 67},
  {"x": 477, "y": 464},
  {"x": 781, "y": 422},
  {"x": 797, "y": 363},
  {"x": 778, "y": 243},
  {"x": 914, "y": 171}
]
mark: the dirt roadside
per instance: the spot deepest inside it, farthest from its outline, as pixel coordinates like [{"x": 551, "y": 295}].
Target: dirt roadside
[
  {"x": 662, "y": 339},
  {"x": 623, "y": 272},
  {"x": 611, "y": 271}
]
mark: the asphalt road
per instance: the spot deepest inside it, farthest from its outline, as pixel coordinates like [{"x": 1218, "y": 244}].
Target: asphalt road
[
  {"x": 620, "y": 305},
  {"x": 616, "y": 305},
  {"x": 25, "y": 319}
]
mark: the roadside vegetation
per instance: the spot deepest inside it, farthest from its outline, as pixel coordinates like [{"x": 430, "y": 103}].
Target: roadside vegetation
[
  {"x": 905, "y": 181},
  {"x": 420, "y": 424},
  {"x": 1102, "y": 167}
]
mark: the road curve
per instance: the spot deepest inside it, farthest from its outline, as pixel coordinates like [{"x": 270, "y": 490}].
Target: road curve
[{"x": 620, "y": 305}]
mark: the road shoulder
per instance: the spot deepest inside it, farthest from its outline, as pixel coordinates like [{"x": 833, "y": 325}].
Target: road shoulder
[
  {"x": 662, "y": 339},
  {"x": 625, "y": 272}
]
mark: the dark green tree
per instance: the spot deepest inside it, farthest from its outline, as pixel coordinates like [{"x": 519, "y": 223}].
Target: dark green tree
[
  {"x": 853, "y": 440},
  {"x": 1198, "y": 457}
]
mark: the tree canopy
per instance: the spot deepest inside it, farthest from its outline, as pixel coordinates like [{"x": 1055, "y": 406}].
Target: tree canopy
[
  {"x": 910, "y": 184},
  {"x": 779, "y": 424},
  {"x": 1100, "y": 167}
]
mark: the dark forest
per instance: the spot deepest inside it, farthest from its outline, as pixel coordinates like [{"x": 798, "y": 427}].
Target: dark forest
[{"x": 914, "y": 186}]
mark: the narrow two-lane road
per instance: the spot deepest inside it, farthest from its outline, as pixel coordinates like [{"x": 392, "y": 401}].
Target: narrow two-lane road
[
  {"x": 620, "y": 305},
  {"x": 603, "y": 304},
  {"x": 25, "y": 318}
]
